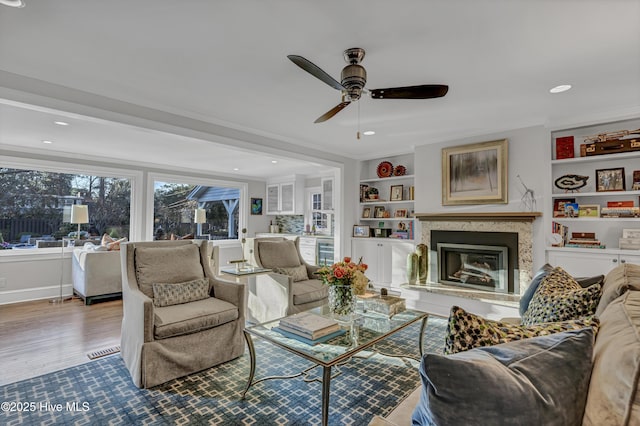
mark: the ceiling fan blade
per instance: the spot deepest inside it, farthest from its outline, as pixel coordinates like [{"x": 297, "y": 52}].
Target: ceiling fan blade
[
  {"x": 333, "y": 111},
  {"x": 315, "y": 71},
  {"x": 426, "y": 91}
]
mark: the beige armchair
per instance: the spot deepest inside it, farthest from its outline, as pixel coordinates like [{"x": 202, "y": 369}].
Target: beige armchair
[
  {"x": 178, "y": 319},
  {"x": 291, "y": 288}
]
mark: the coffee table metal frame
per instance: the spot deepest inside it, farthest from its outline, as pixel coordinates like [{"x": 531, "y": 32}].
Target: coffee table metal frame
[{"x": 294, "y": 346}]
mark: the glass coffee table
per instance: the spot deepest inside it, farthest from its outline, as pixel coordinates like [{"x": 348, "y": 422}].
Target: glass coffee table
[{"x": 368, "y": 329}]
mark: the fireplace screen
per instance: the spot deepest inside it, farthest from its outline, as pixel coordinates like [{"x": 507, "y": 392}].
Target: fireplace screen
[{"x": 475, "y": 266}]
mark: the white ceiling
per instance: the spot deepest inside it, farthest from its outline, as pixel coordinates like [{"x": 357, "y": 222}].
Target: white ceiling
[{"x": 225, "y": 63}]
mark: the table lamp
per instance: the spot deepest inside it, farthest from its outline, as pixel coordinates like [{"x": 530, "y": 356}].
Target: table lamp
[
  {"x": 79, "y": 215},
  {"x": 200, "y": 218}
]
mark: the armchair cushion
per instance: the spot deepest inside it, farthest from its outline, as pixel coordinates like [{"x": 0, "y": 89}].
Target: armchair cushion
[
  {"x": 166, "y": 294},
  {"x": 467, "y": 331},
  {"x": 560, "y": 298},
  {"x": 192, "y": 317},
  {"x": 173, "y": 264},
  {"x": 298, "y": 273},
  {"x": 278, "y": 254},
  {"x": 309, "y": 291}
]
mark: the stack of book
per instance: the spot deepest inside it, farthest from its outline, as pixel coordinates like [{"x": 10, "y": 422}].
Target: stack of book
[
  {"x": 620, "y": 212},
  {"x": 584, "y": 240},
  {"x": 562, "y": 231},
  {"x": 309, "y": 328}
]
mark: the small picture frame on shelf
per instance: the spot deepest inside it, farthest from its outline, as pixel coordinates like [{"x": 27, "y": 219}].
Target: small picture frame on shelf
[
  {"x": 610, "y": 180},
  {"x": 571, "y": 209},
  {"x": 366, "y": 213},
  {"x": 360, "y": 231},
  {"x": 558, "y": 206},
  {"x": 396, "y": 193},
  {"x": 400, "y": 213},
  {"x": 589, "y": 210},
  {"x": 379, "y": 212}
]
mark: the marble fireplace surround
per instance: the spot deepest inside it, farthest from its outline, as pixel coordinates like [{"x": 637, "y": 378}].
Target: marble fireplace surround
[{"x": 518, "y": 222}]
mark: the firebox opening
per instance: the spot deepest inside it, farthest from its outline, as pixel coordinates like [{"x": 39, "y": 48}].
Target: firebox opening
[{"x": 476, "y": 266}]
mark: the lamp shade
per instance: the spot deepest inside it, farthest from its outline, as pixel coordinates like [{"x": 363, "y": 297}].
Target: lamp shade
[
  {"x": 79, "y": 213},
  {"x": 200, "y": 216}
]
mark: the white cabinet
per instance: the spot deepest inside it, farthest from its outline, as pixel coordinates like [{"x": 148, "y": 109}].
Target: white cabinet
[
  {"x": 387, "y": 259},
  {"x": 285, "y": 196},
  {"x": 582, "y": 263},
  {"x": 327, "y": 193},
  {"x": 308, "y": 250}
]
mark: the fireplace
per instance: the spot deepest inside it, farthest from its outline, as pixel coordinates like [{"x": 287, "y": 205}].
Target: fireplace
[
  {"x": 481, "y": 260},
  {"x": 476, "y": 266}
]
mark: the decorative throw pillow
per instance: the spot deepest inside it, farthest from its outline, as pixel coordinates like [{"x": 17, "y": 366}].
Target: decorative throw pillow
[
  {"x": 539, "y": 381},
  {"x": 560, "y": 298},
  {"x": 298, "y": 273},
  {"x": 525, "y": 299},
  {"x": 110, "y": 243},
  {"x": 467, "y": 331},
  {"x": 167, "y": 294}
]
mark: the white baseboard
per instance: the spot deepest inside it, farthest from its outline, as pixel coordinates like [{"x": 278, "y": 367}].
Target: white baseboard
[{"x": 36, "y": 293}]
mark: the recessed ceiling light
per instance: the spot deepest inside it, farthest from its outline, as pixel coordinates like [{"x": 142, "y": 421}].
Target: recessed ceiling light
[
  {"x": 47, "y": 141},
  {"x": 560, "y": 89},
  {"x": 12, "y": 3},
  {"x": 274, "y": 161},
  {"x": 61, "y": 123},
  {"x": 235, "y": 169},
  {"x": 369, "y": 133}
]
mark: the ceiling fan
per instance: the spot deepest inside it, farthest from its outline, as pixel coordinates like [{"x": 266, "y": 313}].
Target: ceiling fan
[{"x": 354, "y": 78}]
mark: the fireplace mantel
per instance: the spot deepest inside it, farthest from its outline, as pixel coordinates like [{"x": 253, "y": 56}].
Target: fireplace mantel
[{"x": 486, "y": 216}]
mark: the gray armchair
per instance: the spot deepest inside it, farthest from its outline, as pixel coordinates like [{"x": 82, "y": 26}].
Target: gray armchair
[
  {"x": 178, "y": 319},
  {"x": 292, "y": 287}
]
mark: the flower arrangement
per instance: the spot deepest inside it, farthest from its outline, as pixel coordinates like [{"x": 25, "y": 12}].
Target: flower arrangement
[{"x": 345, "y": 273}]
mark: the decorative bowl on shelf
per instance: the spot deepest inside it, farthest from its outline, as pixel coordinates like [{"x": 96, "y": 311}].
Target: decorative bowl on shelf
[
  {"x": 400, "y": 170},
  {"x": 385, "y": 169}
]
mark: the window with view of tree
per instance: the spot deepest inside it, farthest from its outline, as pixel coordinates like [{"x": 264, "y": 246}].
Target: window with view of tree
[
  {"x": 175, "y": 205},
  {"x": 36, "y": 204}
]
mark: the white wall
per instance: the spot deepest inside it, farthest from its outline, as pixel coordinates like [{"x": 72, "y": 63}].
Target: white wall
[{"x": 529, "y": 157}]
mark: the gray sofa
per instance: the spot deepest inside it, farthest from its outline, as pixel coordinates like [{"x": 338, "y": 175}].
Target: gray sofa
[
  {"x": 178, "y": 318},
  {"x": 613, "y": 396}
]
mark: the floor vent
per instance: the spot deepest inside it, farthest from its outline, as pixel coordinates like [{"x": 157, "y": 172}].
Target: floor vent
[{"x": 104, "y": 352}]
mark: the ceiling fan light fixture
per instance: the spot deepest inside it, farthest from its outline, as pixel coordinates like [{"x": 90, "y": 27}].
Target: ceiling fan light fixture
[
  {"x": 561, "y": 88},
  {"x": 13, "y": 3}
]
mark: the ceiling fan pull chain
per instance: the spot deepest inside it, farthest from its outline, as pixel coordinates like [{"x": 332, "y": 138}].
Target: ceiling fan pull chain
[{"x": 358, "y": 135}]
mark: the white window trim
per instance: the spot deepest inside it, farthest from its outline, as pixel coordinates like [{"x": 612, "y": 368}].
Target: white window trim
[{"x": 152, "y": 178}]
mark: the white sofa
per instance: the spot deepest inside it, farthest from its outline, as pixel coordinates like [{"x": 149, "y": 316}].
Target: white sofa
[{"x": 96, "y": 274}]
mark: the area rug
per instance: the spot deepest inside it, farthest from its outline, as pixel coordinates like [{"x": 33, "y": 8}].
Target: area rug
[{"x": 101, "y": 392}]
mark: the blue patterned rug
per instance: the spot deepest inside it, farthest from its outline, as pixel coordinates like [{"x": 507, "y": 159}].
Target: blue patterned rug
[{"x": 101, "y": 392}]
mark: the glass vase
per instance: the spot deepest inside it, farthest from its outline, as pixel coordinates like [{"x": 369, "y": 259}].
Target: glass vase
[{"x": 342, "y": 302}]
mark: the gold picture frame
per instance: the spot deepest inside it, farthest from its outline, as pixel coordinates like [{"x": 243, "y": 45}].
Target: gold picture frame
[{"x": 475, "y": 173}]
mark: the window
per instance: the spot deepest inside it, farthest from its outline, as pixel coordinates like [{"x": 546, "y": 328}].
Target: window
[
  {"x": 319, "y": 219},
  {"x": 175, "y": 207},
  {"x": 35, "y": 206}
]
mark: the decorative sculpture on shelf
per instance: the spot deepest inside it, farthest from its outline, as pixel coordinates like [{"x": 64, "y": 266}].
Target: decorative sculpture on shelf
[
  {"x": 571, "y": 183},
  {"x": 528, "y": 199}
]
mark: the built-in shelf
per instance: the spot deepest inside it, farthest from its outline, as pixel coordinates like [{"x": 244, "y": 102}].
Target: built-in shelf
[
  {"x": 400, "y": 219},
  {"x": 598, "y": 158},
  {"x": 386, "y": 179},
  {"x": 594, "y": 194}
]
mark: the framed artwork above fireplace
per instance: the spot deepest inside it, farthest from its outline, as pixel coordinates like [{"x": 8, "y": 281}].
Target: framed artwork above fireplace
[{"x": 475, "y": 173}]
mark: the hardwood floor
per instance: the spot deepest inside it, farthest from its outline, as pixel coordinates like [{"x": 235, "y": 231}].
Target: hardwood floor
[{"x": 39, "y": 337}]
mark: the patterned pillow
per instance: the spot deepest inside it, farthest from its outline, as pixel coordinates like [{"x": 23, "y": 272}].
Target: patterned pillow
[
  {"x": 467, "y": 331},
  {"x": 298, "y": 273},
  {"x": 560, "y": 298},
  {"x": 166, "y": 294}
]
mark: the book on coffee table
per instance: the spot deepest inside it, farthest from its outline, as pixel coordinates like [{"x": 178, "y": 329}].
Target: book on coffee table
[
  {"x": 309, "y": 325},
  {"x": 311, "y": 342}
]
